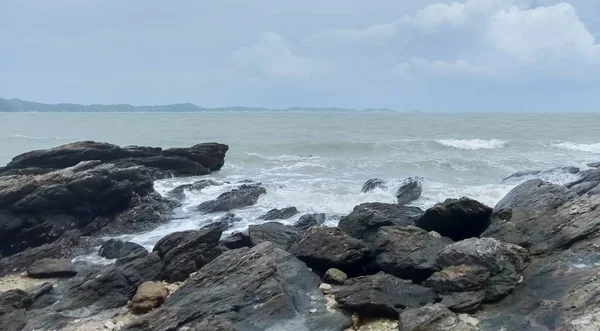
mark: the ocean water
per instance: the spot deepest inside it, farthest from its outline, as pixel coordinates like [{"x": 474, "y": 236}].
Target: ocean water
[{"x": 318, "y": 162}]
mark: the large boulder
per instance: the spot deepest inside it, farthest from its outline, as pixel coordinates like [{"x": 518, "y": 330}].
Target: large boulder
[
  {"x": 550, "y": 215},
  {"x": 186, "y": 252},
  {"x": 279, "y": 214},
  {"x": 149, "y": 295},
  {"x": 457, "y": 219},
  {"x": 435, "y": 317},
  {"x": 504, "y": 262},
  {"x": 262, "y": 288},
  {"x": 410, "y": 190},
  {"x": 372, "y": 184},
  {"x": 49, "y": 268},
  {"x": 382, "y": 295},
  {"x": 244, "y": 196},
  {"x": 114, "y": 248},
  {"x": 507, "y": 232},
  {"x": 282, "y": 236},
  {"x": 408, "y": 252},
  {"x": 324, "y": 248},
  {"x": 307, "y": 221},
  {"x": 366, "y": 219},
  {"x": 236, "y": 240}
]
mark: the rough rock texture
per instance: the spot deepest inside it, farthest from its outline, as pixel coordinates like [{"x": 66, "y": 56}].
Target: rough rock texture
[
  {"x": 279, "y": 214},
  {"x": 149, "y": 295},
  {"x": 324, "y": 248},
  {"x": 589, "y": 182},
  {"x": 463, "y": 302},
  {"x": 459, "y": 278},
  {"x": 382, "y": 295},
  {"x": 178, "y": 193},
  {"x": 49, "y": 268},
  {"x": 408, "y": 252},
  {"x": 366, "y": 219},
  {"x": 185, "y": 252},
  {"x": 505, "y": 262},
  {"x": 282, "y": 236},
  {"x": 507, "y": 232},
  {"x": 263, "y": 288},
  {"x": 244, "y": 196},
  {"x": 550, "y": 215},
  {"x": 13, "y": 305},
  {"x": 193, "y": 161},
  {"x": 307, "y": 221},
  {"x": 525, "y": 173},
  {"x": 236, "y": 240},
  {"x": 335, "y": 276},
  {"x": 223, "y": 223},
  {"x": 372, "y": 184},
  {"x": 594, "y": 165},
  {"x": 457, "y": 219},
  {"x": 114, "y": 248},
  {"x": 410, "y": 190},
  {"x": 434, "y": 317}
]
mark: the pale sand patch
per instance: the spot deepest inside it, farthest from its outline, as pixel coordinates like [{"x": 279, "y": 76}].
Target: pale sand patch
[{"x": 21, "y": 282}]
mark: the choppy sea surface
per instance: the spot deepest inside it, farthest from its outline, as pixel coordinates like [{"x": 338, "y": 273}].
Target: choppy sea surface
[{"x": 318, "y": 162}]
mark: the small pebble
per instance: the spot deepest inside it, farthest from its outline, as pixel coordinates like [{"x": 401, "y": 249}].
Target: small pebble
[{"x": 325, "y": 287}]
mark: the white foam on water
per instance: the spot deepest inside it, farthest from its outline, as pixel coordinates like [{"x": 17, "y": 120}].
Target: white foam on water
[
  {"x": 473, "y": 144},
  {"x": 590, "y": 148}
]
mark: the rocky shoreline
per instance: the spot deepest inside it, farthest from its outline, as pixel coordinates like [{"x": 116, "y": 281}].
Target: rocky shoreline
[{"x": 532, "y": 262}]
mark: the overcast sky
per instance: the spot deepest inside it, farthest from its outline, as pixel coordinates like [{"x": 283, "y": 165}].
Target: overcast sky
[{"x": 474, "y": 55}]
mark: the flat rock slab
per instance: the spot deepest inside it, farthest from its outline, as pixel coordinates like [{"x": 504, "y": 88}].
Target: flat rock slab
[{"x": 51, "y": 268}]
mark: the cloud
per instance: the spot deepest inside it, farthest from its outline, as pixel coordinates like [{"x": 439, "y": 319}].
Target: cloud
[
  {"x": 460, "y": 68},
  {"x": 272, "y": 57}
]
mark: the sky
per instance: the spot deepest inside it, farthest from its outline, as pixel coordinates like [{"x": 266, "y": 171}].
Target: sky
[{"x": 470, "y": 55}]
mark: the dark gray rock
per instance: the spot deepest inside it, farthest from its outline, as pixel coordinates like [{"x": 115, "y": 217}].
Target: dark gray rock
[
  {"x": 279, "y": 214},
  {"x": 459, "y": 278},
  {"x": 541, "y": 173},
  {"x": 463, "y": 302},
  {"x": 263, "y": 288},
  {"x": 507, "y": 232},
  {"x": 594, "y": 165},
  {"x": 114, "y": 248},
  {"x": 178, "y": 193},
  {"x": 372, "y": 184},
  {"x": 13, "y": 305},
  {"x": 410, "y": 190},
  {"x": 324, "y": 248},
  {"x": 186, "y": 252},
  {"x": 244, "y": 196},
  {"x": 457, "y": 219},
  {"x": 366, "y": 219},
  {"x": 307, "y": 221},
  {"x": 408, "y": 252},
  {"x": 382, "y": 295},
  {"x": 50, "y": 268},
  {"x": 282, "y": 236},
  {"x": 505, "y": 262},
  {"x": 223, "y": 223},
  {"x": 236, "y": 240},
  {"x": 588, "y": 182},
  {"x": 433, "y": 317}
]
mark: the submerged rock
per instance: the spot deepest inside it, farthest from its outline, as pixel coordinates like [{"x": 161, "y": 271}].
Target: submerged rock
[
  {"x": 594, "y": 165},
  {"x": 366, "y": 219},
  {"x": 410, "y": 190},
  {"x": 372, "y": 184},
  {"x": 49, "y": 268},
  {"x": 279, "y": 214},
  {"x": 457, "y": 219},
  {"x": 178, "y": 193},
  {"x": 244, "y": 196},
  {"x": 263, "y": 288},
  {"x": 114, "y": 249},
  {"x": 541, "y": 173},
  {"x": 324, "y": 248},
  {"x": 225, "y": 222},
  {"x": 282, "y": 236},
  {"x": 307, "y": 221}
]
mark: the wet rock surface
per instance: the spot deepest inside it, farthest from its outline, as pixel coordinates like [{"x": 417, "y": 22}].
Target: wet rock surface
[
  {"x": 282, "y": 236},
  {"x": 279, "y": 214},
  {"x": 372, "y": 184},
  {"x": 114, "y": 248},
  {"x": 307, "y": 221},
  {"x": 410, "y": 190},
  {"x": 244, "y": 196}
]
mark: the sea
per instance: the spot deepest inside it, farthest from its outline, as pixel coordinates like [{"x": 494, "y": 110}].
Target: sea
[{"x": 318, "y": 161}]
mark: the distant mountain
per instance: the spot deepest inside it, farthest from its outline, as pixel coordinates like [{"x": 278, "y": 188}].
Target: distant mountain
[{"x": 17, "y": 105}]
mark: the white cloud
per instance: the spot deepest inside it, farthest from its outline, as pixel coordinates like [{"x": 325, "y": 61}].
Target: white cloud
[
  {"x": 273, "y": 57},
  {"x": 419, "y": 67},
  {"x": 373, "y": 35}
]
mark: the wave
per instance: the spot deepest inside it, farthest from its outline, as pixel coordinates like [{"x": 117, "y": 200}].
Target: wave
[
  {"x": 591, "y": 148},
  {"x": 473, "y": 144}
]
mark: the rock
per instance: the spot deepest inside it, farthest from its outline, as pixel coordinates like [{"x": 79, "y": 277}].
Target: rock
[
  {"x": 186, "y": 252},
  {"x": 237, "y": 240},
  {"x": 408, "y": 252},
  {"x": 459, "y": 278},
  {"x": 49, "y": 268},
  {"x": 225, "y": 222},
  {"x": 13, "y": 305},
  {"x": 244, "y": 196},
  {"x": 457, "y": 219},
  {"x": 551, "y": 216},
  {"x": 325, "y": 288},
  {"x": 178, "y": 193},
  {"x": 307, "y": 221},
  {"x": 262, "y": 288},
  {"x": 366, "y": 219},
  {"x": 196, "y": 160},
  {"x": 505, "y": 262},
  {"x": 463, "y": 302},
  {"x": 541, "y": 173},
  {"x": 109, "y": 325},
  {"x": 372, "y": 184},
  {"x": 410, "y": 190},
  {"x": 588, "y": 182},
  {"x": 382, "y": 295},
  {"x": 283, "y": 236},
  {"x": 324, "y": 248},
  {"x": 149, "y": 295},
  {"x": 114, "y": 248},
  {"x": 335, "y": 276},
  {"x": 506, "y": 232},
  {"x": 594, "y": 165},
  {"x": 279, "y": 214},
  {"x": 433, "y": 317}
]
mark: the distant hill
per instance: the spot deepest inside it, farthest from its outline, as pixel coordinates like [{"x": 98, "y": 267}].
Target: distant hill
[{"x": 17, "y": 105}]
